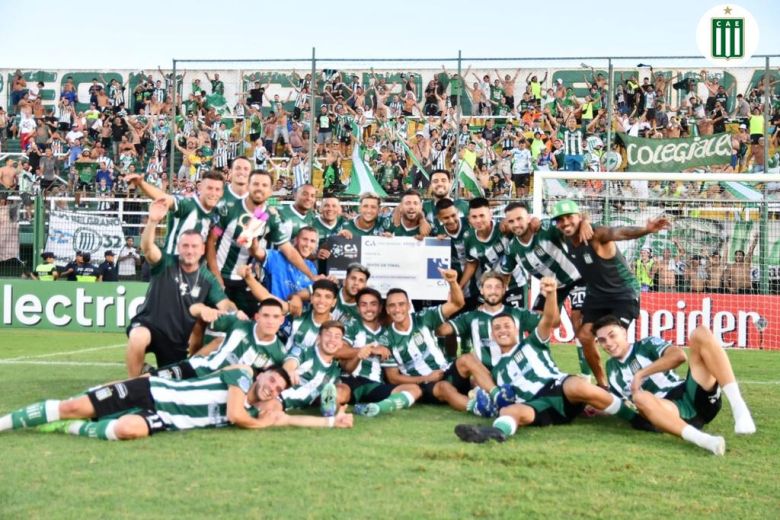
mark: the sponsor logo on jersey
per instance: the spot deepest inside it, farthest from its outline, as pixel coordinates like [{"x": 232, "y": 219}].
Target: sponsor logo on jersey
[
  {"x": 121, "y": 389},
  {"x": 103, "y": 393}
]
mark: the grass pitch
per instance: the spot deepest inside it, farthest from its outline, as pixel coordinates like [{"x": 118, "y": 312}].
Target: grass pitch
[{"x": 407, "y": 465}]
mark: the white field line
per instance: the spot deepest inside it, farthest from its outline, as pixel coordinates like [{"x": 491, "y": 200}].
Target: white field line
[
  {"x": 65, "y": 353},
  {"x": 59, "y": 363}
]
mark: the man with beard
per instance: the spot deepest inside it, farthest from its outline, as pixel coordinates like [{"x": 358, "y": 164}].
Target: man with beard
[
  {"x": 610, "y": 288},
  {"x": 227, "y": 250},
  {"x": 367, "y": 222},
  {"x": 412, "y": 222},
  {"x": 441, "y": 185},
  {"x": 186, "y": 213}
]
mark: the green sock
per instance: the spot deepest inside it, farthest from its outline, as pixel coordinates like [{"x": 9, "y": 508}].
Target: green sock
[
  {"x": 584, "y": 366},
  {"x": 95, "y": 429},
  {"x": 506, "y": 424},
  {"x": 33, "y": 415},
  {"x": 493, "y": 393},
  {"x": 395, "y": 402}
]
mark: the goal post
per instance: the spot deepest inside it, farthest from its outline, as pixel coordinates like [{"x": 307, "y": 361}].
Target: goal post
[{"x": 719, "y": 264}]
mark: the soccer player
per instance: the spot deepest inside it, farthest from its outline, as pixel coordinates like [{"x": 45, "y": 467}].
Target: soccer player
[
  {"x": 314, "y": 371},
  {"x": 149, "y": 405},
  {"x": 527, "y": 375},
  {"x": 363, "y": 371},
  {"x": 306, "y": 327},
  {"x": 450, "y": 224},
  {"x": 346, "y": 302},
  {"x": 417, "y": 358},
  {"x": 237, "y": 189},
  {"x": 474, "y": 327},
  {"x": 408, "y": 219},
  {"x": 610, "y": 287},
  {"x": 644, "y": 372},
  {"x": 186, "y": 213},
  {"x": 484, "y": 245},
  {"x": 300, "y": 213},
  {"x": 328, "y": 222},
  {"x": 367, "y": 222},
  {"x": 440, "y": 188},
  {"x": 224, "y": 253},
  {"x": 251, "y": 343},
  {"x": 181, "y": 290},
  {"x": 539, "y": 248}
]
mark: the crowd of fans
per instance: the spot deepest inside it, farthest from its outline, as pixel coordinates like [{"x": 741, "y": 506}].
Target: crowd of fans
[{"x": 504, "y": 126}]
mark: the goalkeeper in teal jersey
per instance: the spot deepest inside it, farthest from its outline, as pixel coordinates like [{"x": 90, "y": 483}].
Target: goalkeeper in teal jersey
[
  {"x": 314, "y": 371},
  {"x": 364, "y": 358},
  {"x": 533, "y": 390},
  {"x": 143, "y": 406},
  {"x": 252, "y": 343},
  {"x": 643, "y": 371}
]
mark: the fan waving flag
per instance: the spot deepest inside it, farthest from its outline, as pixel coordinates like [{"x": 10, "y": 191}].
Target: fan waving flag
[
  {"x": 468, "y": 180},
  {"x": 414, "y": 158},
  {"x": 362, "y": 179}
]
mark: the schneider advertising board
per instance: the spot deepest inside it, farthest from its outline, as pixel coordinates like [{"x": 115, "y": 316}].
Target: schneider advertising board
[{"x": 100, "y": 307}]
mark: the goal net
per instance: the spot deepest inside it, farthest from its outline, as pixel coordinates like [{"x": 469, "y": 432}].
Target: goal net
[{"x": 719, "y": 265}]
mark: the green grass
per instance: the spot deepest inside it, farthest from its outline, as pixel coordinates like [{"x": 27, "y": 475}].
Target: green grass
[{"x": 408, "y": 465}]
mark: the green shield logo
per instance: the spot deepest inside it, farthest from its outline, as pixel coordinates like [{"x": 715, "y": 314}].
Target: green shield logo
[{"x": 728, "y": 38}]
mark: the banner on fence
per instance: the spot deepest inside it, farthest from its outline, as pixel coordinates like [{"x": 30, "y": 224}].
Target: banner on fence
[
  {"x": 403, "y": 262},
  {"x": 676, "y": 155},
  {"x": 97, "y": 307},
  {"x": 92, "y": 233}
]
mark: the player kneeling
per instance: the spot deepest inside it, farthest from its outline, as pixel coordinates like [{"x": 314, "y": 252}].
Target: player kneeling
[
  {"x": 644, "y": 372},
  {"x": 148, "y": 405}
]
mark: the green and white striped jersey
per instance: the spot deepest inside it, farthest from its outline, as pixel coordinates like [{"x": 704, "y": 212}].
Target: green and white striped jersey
[
  {"x": 475, "y": 331},
  {"x": 344, "y": 312},
  {"x": 230, "y": 255},
  {"x": 314, "y": 373},
  {"x": 375, "y": 230},
  {"x": 527, "y": 367},
  {"x": 400, "y": 230},
  {"x": 358, "y": 335},
  {"x": 201, "y": 402},
  {"x": 429, "y": 209},
  {"x": 620, "y": 372},
  {"x": 457, "y": 251},
  {"x": 544, "y": 255},
  {"x": 229, "y": 198},
  {"x": 487, "y": 253},
  {"x": 416, "y": 351},
  {"x": 304, "y": 332},
  {"x": 294, "y": 221},
  {"x": 326, "y": 230},
  {"x": 240, "y": 346},
  {"x": 187, "y": 213}
]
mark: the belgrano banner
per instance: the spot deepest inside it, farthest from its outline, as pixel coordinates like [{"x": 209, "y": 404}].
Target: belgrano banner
[
  {"x": 92, "y": 233},
  {"x": 676, "y": 155}
]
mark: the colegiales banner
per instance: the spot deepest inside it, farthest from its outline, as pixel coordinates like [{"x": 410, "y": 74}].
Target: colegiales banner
[
  {"x": 101, "y": 307},
  {"x": 737, "y": 320},
  {"x": 676, "y": 155}
]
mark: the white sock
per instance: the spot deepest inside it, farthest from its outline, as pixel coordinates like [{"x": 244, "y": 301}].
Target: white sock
[
  {"x": 506, "y": 424},
  {"x": 74, "y": 427},
  {"x": 111, "y": 431},
  {"x": 738, "y": 405},
  {"x": 52, "y": 410},
  {"x": 409, "y": 397},
  {"x": 614, "y": 406},
  {"x": 703, "y": 440},
  {"x": 6, "y": 423}
]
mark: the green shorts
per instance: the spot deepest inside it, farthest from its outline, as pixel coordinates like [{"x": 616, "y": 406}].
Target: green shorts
[
  {"x": 697, "y": 406},
  {"x": 551, "y": 405}
]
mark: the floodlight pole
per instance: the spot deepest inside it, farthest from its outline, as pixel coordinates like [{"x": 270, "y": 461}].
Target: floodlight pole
[
  {"x": 173, "y": 125},
  {"x": 312, "y": 109},
  {"x": 458, "y": 110}
]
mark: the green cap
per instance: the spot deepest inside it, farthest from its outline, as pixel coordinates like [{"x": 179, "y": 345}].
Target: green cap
[{"x": 565, "y": 207}]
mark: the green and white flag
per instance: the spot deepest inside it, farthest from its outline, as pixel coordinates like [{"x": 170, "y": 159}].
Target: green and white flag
[
  {"x": 414, "y": 158},
  {"x": 362, "y": 179},
  {"x": 676, "y": 155},
  {"x": 468, "y": 180}
]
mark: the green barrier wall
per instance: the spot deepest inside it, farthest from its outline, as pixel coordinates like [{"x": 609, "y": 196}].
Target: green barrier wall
[{"x": 99, "y": 307}]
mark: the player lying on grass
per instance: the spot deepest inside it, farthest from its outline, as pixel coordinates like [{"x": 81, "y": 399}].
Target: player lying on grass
[
  {"x": 148, "y": 405},
  {"x": 252, "y": 343},
  {"x": 644, "y": 372},
  {"x": 533, "y": 390},
  {"x": 417, "y": 359}
]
